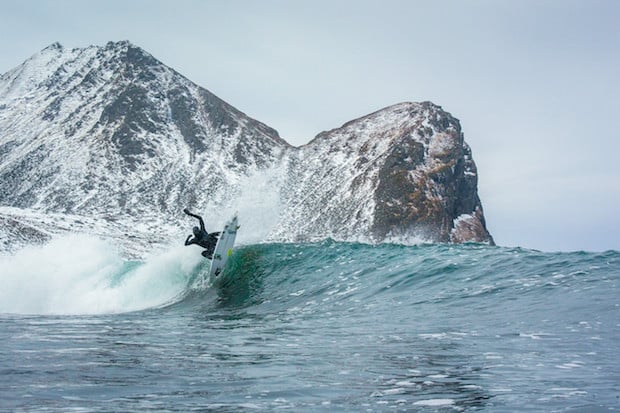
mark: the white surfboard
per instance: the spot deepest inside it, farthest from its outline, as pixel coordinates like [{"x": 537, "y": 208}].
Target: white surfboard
[{"x": 223, "y": 248}]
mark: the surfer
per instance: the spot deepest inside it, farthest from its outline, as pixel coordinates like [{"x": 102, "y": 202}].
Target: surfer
[{"x": 202, "y": 237}]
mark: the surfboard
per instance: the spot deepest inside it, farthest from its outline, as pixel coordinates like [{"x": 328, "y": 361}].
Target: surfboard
[{"x": 223, "y": 248}]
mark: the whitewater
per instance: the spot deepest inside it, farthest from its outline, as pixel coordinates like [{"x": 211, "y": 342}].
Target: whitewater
[{"x": 326, "y": 326}]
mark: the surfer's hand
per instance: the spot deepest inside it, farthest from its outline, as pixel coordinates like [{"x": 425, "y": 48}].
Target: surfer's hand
[{"x": 187, "y": 211}]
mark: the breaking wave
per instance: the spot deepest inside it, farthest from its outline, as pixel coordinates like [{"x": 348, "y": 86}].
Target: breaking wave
[{"x": 80, "y": 274}]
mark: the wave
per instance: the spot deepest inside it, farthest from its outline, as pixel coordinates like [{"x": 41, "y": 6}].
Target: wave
[
  {"x": 332, "y": 276},
  {"x": 85, "y": 275}
]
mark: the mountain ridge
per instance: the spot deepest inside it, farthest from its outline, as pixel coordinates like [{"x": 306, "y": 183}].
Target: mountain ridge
[{"x": 112, "y": 133}]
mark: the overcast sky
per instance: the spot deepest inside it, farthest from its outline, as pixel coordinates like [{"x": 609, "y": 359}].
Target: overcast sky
[{"x": 535, "y": 83}]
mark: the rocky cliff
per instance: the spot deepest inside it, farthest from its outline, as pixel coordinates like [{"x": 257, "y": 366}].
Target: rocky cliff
[
  {"x": 402, "y": 174},
  {"x": 110, "y": 140}
]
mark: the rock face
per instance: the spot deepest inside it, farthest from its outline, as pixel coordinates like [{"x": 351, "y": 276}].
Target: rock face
[
  {"x": 111, "y": 134},
  {"x": 402, "y": 174}
]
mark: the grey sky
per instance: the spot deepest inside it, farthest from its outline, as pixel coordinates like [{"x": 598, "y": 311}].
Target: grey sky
[{"x": 534, "y": 83}]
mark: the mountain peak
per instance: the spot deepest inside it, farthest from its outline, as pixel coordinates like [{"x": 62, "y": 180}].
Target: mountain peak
[
  {"x": 127, "y": 113},
  {"x": 126, "y": 49},
  {"x": 55, "y": 46},
  {"x": 121, "y": 44}
]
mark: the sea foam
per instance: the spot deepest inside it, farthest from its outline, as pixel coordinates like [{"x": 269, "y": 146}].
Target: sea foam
[{"x": 79, "y": 274}]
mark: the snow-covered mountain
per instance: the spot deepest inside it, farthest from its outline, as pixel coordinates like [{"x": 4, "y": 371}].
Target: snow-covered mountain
[
  {"x": 111, "y": 141},
  {"x": 401, "y": 174}
]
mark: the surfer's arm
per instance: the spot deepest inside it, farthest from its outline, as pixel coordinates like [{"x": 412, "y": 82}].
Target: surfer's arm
[
  {"x": 190, "y": 242},
  {"x": 198, "y": 217}
]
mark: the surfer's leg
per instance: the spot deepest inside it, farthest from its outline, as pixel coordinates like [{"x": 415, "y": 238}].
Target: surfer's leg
[{"x": 207, "y": 254}]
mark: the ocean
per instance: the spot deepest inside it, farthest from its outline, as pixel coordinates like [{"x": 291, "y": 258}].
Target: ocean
[{"x": 316, "y": 327}]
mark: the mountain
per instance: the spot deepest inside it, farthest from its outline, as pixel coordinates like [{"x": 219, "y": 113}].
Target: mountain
[
  {"x": 402, "y": 174},
  {"x": 109, "y": 140}
]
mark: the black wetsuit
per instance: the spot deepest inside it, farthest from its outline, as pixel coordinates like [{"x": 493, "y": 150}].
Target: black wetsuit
[{"x": 202, "y": 237}]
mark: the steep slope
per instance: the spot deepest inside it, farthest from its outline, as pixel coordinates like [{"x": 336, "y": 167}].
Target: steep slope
[
  {"x": 401, "y": 174},
  {"x": 109, "y": 140},
  {"x": 111, "y": 131}
]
